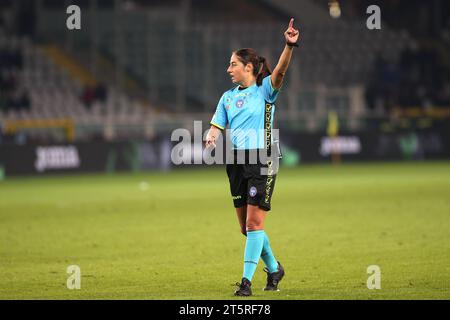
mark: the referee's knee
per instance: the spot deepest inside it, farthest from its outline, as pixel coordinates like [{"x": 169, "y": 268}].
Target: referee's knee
[{"x": 253, "y": 226}]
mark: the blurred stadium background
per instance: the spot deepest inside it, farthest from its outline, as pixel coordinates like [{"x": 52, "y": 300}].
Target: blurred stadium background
[
  {"x": 107, "y": 97},
  {"x": 138, "y": 69}
]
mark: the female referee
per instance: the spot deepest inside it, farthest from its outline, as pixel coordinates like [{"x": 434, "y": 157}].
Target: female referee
[{"x": 250, "y": 106}]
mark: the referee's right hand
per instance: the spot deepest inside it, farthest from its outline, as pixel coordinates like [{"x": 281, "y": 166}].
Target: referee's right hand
[{"x": 211, "y": 137}]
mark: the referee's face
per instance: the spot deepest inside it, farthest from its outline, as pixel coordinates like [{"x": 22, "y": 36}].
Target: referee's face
[{"x": 237, "y": 71}]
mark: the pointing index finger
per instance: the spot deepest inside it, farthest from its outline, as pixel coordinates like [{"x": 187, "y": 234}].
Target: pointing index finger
[{"x": 291, "y": 22}]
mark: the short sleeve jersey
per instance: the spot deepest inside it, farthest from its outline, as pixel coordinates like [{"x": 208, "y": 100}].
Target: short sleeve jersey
[{"x": 247, "y": 112}]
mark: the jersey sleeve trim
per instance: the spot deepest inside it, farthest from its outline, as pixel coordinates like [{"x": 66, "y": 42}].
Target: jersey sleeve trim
[{"x": 216, "y": 125}]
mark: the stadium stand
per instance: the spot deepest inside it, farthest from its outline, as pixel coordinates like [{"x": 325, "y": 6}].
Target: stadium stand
[{"x": 176, "y": 52}]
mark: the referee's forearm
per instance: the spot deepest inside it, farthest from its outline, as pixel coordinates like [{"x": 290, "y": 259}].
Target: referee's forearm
[
  {"x": 285, "y": 59},
  {"x": 283, "y": 64}
]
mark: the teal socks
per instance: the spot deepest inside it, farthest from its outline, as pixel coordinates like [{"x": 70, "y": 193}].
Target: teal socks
[
  {"x": 267, "y": 256},
  {"x": 253, "y": 249},
  {"x": 256, "y": 246}
]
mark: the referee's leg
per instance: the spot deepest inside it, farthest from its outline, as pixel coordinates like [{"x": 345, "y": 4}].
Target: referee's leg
[
  {"x": 241, "y": 213},
  {"x": 255, "y": 218}
]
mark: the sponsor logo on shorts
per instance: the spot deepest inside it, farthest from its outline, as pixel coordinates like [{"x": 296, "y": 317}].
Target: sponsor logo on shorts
[{"x": 236, "y": 197}]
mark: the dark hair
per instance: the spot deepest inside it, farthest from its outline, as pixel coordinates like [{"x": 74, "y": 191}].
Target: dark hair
[{"x": 261, "y": 68}]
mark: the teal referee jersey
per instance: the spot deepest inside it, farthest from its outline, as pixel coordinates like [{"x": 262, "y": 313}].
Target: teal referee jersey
[{"x": 247, "y": 112}]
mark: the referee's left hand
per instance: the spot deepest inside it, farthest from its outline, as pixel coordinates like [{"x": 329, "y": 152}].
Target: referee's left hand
[{"x": 291, "y": 34}]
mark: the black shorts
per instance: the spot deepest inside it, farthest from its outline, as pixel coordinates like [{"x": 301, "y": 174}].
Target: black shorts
[{"x": 249, "y": 186}]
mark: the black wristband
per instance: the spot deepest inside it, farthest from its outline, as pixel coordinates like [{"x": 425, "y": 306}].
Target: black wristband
[{"x": 292, "y": 44}]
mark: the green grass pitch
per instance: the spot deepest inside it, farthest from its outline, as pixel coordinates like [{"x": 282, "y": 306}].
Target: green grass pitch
[{"x": 176, "y": 235}]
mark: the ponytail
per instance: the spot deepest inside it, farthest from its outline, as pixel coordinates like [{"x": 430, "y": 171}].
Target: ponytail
[
  {"x": 263, "y": 71},
  {"x": 261, "y": 68}
]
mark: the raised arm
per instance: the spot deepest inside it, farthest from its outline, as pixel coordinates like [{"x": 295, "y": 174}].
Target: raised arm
[{"x": 291, "y": 35}]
